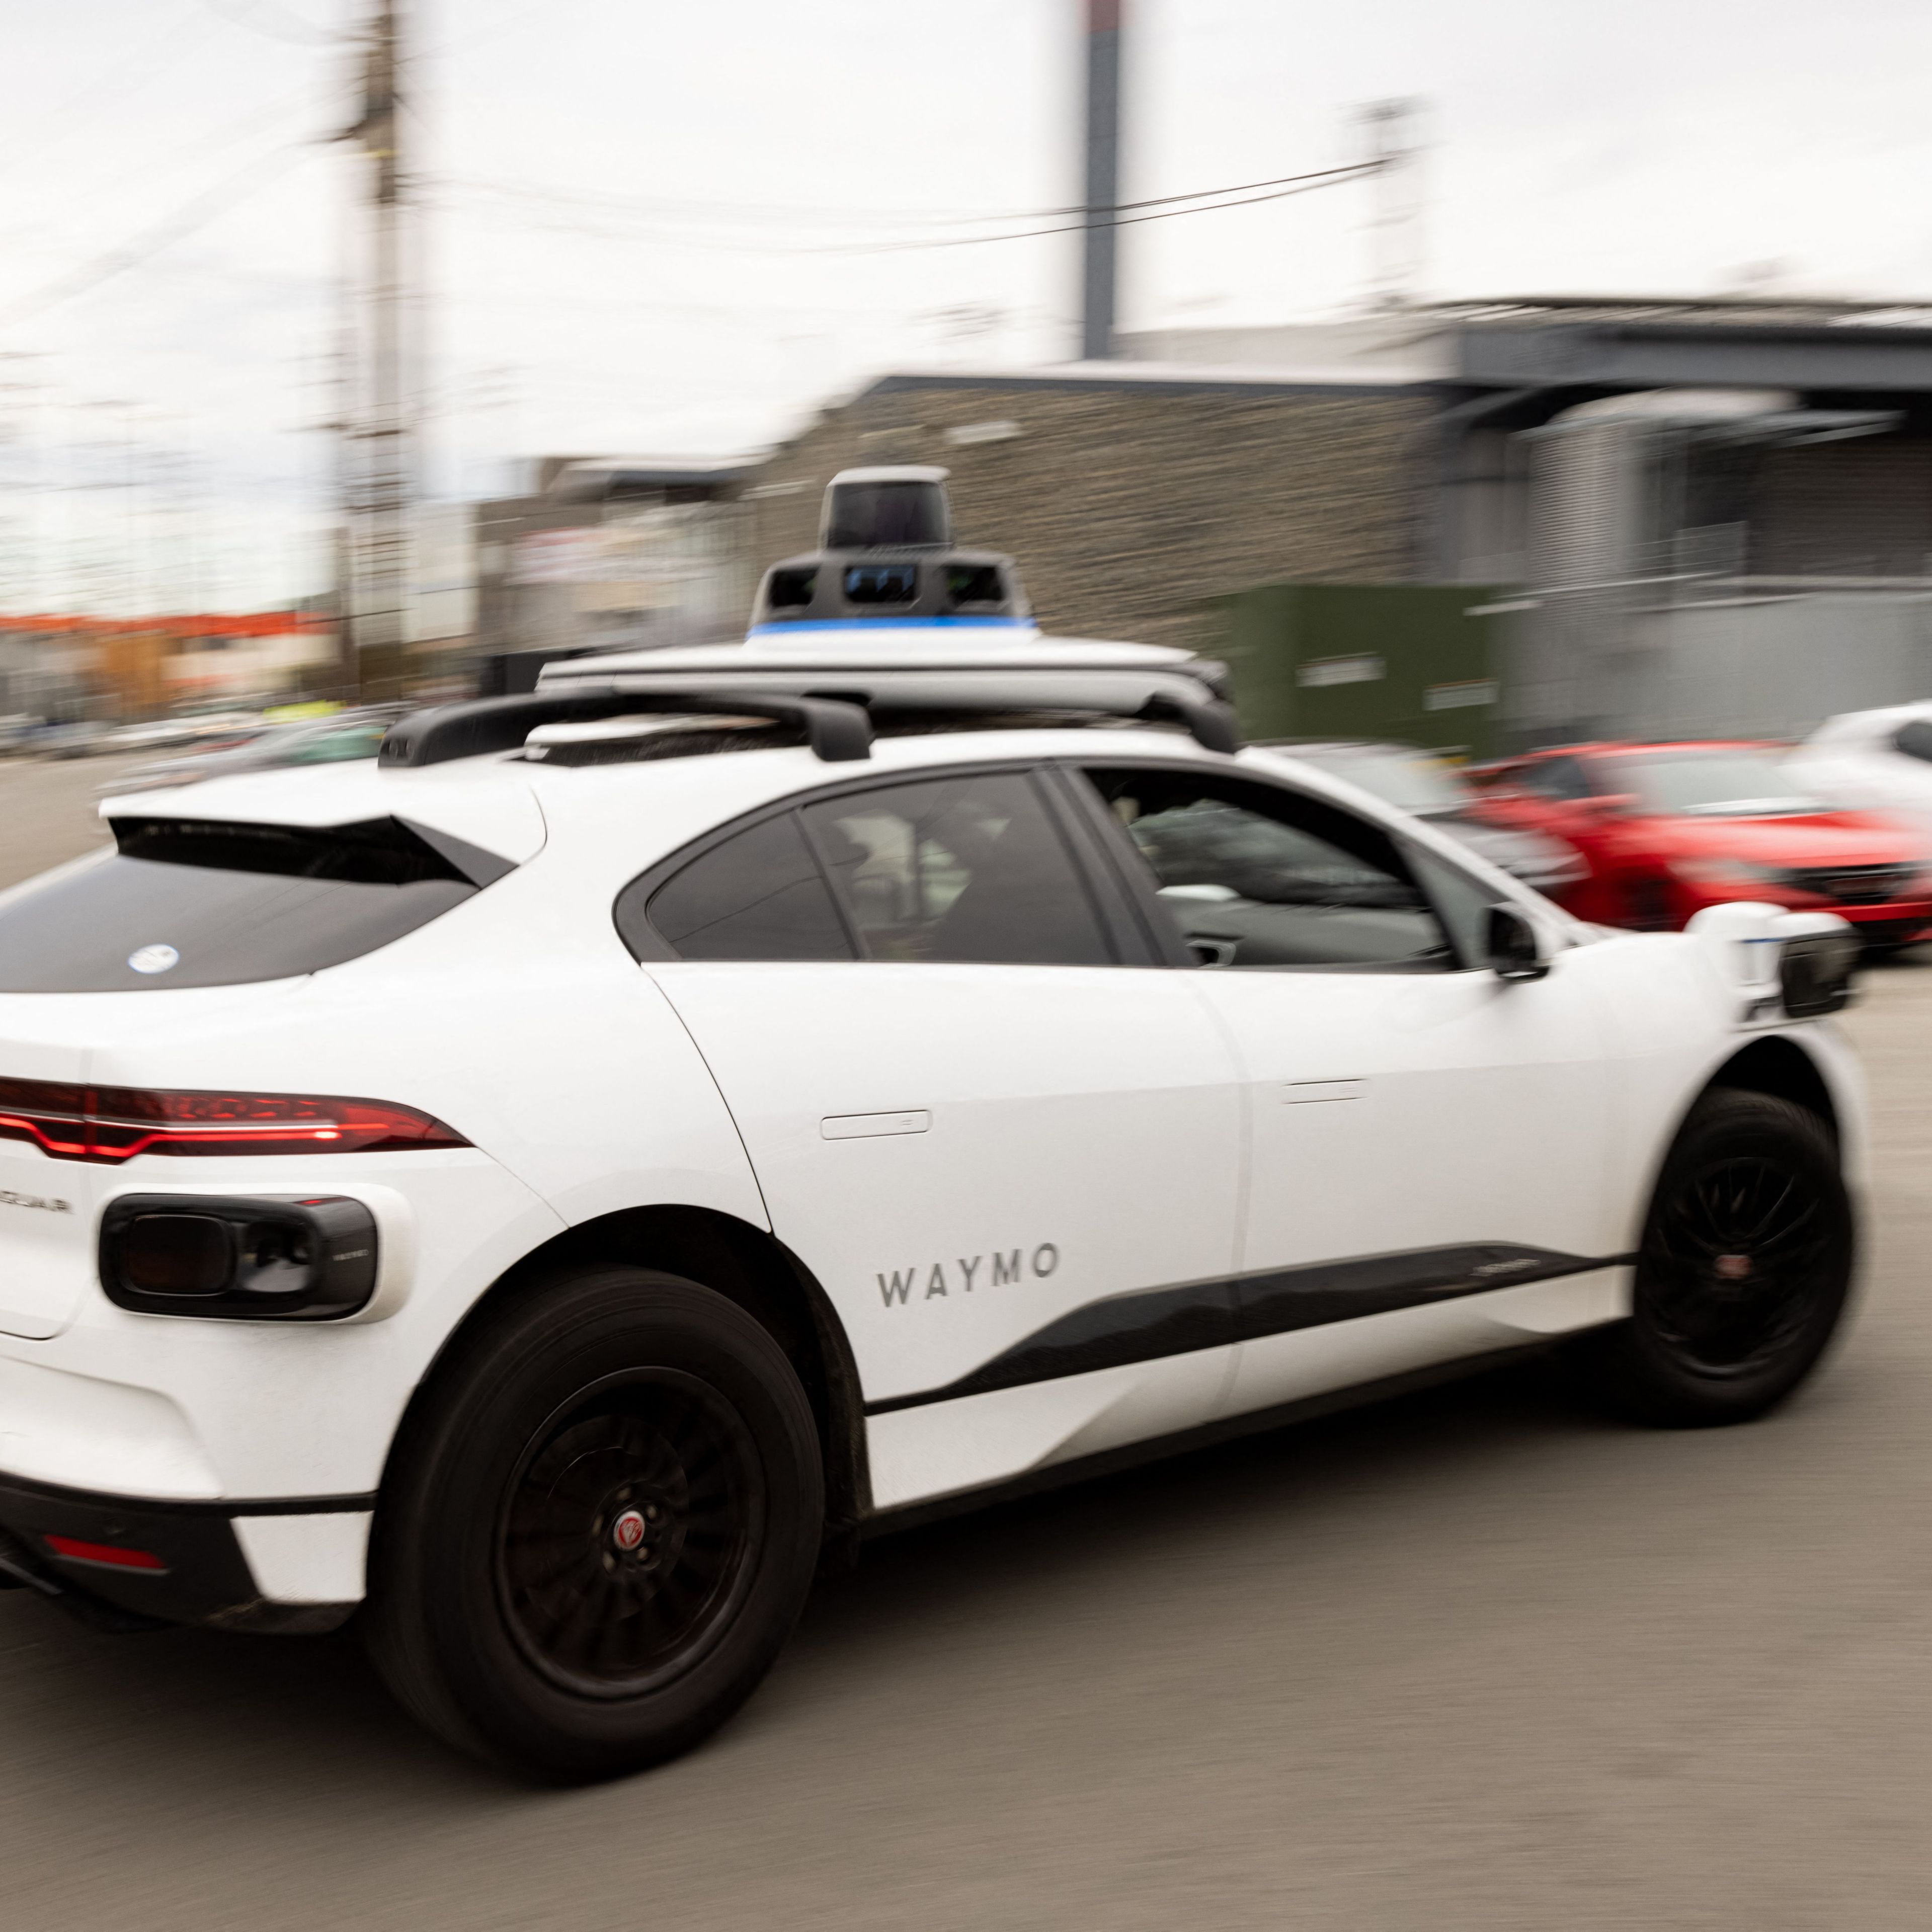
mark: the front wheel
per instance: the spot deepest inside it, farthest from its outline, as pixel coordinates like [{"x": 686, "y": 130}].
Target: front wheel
[
  {"x": 1744, "y": 1273},
  {"x": 599, "y": 1530}
]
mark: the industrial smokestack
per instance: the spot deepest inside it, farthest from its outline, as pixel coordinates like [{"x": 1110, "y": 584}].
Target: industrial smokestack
[{"x": 1103, "y": 171}]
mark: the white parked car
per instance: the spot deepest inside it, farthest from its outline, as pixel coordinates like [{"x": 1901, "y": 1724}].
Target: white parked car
[
  {"x": 544, "y": 1190},
  {"x": 1873, "y": 761}
]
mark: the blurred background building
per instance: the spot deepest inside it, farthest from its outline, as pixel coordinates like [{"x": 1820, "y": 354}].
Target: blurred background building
[
  {"x": 1707, "y": 516},
  {"x": 611, "y": 553}
]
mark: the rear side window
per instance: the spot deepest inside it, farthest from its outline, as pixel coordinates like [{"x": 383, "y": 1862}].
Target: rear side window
[
  {"x": 1915, "y": 739},
  {"x": 957, "y": 869},
  {"x": 967, "y": 869},
  {"x": 758, "y": 895},
  {"x": 184, "y": 903}
]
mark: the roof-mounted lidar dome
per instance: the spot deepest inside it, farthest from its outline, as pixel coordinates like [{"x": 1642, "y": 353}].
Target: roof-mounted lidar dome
[{"x": 887, "y": 555}]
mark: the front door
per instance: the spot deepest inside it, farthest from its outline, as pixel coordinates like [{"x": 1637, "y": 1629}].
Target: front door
[
  {"x": 1423, "y": 1134},
  {"x": 1008, "y": 1154}
]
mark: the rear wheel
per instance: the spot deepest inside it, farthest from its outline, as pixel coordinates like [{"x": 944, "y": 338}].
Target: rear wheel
[
  {"x": 599, "y": 1530},
  {"x": 1744, "y": 1269}
]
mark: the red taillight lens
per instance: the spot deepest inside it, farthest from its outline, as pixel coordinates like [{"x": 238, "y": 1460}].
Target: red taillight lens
[
  {"x": 114, "y": 1123},
  {"x": 113, "y": 1554}
]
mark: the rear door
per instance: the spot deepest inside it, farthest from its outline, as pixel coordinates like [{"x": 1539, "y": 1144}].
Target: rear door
[
  {"x": 1422, "y": 1134},
  {"x": 1006, "y": 1143}
]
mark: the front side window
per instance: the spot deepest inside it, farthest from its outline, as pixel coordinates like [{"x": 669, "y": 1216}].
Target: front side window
[
  {"x": 1254, "y": 877},
  {"x": 970, "y": 869},
  {"x": 183, "y": 903}
]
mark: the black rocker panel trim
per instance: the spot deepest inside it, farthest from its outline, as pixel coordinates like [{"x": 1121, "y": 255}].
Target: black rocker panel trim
[{"x": 1145, "y": 1326}]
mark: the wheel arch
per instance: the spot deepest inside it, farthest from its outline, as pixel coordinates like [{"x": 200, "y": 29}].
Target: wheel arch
[
  {"x": 748, "y": 1266},
  {"x": 1779, "y": 1067},
  {"x": 1773, "y": 1064}
]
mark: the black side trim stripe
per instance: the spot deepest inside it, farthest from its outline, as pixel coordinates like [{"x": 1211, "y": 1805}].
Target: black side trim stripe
[{"x": 1153, "y": 1322}]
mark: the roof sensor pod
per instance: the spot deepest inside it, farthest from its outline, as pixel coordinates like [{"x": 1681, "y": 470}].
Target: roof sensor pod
[{"x": 886, "y": 555}]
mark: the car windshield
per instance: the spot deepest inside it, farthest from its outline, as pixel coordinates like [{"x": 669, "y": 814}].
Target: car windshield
[
  {"x": 1716, "y": 783},
  {"x": 1410, "y": 780}
]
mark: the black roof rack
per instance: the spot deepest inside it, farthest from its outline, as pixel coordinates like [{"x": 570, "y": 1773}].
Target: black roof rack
[
  {"x": 836, "y": 731},
  {"x": 837, "y": 725}
]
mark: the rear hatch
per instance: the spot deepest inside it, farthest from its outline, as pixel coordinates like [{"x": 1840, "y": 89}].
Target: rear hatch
[{"x": 199, "y": 919}]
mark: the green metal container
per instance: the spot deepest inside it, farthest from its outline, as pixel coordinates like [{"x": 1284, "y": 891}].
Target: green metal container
[{"x": 1419, "y": 663}]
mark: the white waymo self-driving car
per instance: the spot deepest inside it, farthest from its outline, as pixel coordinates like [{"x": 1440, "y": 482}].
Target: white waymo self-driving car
[{"x": 537, "y": 1190}]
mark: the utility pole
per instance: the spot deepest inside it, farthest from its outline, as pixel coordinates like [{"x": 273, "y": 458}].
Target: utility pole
[
  {"x": 1103, "y": 179},
  {"x": 381, "y": 481}
]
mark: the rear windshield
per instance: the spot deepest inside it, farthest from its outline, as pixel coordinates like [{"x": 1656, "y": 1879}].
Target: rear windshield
[{"x": 186, "y": 903}]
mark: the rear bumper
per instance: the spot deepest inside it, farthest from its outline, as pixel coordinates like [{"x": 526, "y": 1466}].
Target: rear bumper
[{"x": 195, "y": 1565}]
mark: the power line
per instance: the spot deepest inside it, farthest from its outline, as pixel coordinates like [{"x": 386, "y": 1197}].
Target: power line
[
  {"x": 154, "y": 57},
  {"x": 249, "y": 179},
  {"x": 219, "y": 141},
  {"x": 1299, "y": 184},
  {"x": 755, "y": 212},
  {"x": 1328, "y": 177}
]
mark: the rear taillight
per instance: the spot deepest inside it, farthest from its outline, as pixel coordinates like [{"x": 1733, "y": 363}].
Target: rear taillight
[{"x": 114, "y": 1123}]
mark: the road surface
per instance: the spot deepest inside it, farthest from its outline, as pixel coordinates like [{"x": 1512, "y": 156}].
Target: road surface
[{"x": 1471, "y": 1660}]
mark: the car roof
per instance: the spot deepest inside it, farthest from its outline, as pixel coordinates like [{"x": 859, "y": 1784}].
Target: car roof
[{"x": 514, "y": 807}]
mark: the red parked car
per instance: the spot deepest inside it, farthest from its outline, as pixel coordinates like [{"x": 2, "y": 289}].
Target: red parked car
[{"x": 1668, "y": 829}]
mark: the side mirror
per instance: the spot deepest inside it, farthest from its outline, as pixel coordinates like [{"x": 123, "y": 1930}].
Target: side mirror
[{"x": 1511, "y": 942}]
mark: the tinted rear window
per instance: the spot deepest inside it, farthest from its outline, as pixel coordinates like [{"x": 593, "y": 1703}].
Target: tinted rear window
[
  {"x": 759, "y": 896},
  {"x": 203, "y": 904}
]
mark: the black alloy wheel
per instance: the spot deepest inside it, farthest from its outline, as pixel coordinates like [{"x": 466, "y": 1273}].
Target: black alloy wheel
[
  {"x": 601, "y": 1519},
  {"x": 1744, "y": 1269},
  {"x": 624, "y": 1538},
  {"x": 1733, "y": 1258}
]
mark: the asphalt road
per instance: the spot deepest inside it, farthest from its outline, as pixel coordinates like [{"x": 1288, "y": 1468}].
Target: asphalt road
[{"x": 1471, "y": 1660}]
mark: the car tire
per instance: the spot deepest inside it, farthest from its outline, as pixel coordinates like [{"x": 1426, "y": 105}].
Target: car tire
[
  {"x": 599, "y": 1527},
  {"x": 1744, "y": 1273}
]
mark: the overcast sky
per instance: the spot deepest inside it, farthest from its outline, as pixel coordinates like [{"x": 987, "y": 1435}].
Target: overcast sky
[{"x": 652, "y": 227}]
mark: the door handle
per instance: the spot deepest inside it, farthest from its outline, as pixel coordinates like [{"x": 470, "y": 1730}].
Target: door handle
[
  {"x": 1301, "y": 1093},
  {"x": 864, "y": 1127}
]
